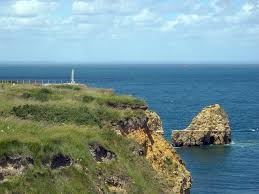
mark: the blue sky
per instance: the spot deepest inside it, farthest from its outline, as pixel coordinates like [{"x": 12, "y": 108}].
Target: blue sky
[{"x": 156, "y": 31}]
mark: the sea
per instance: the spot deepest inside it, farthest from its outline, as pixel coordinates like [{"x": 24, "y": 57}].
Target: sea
[{"x": 177, "y": 93}]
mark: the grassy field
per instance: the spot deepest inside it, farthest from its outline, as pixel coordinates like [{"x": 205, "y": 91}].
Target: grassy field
[{"x": 39, "y": 123}]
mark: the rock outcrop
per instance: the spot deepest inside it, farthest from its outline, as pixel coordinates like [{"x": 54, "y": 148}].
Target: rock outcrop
[
  {"x": 100, "y": 153},
  {"x": 147, "y": 132},
  {"x": 210, "y": 126},
  {"x": 154, "y": 122},
  {"x": 12, "y": 165},
  {"x": 60, "y": 160}
]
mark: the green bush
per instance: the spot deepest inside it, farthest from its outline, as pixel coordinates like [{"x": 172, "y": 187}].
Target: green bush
[
  {"x": 44, "y": 91},
  {"x": 61, "y": 114},
  {"x": 65, "y": 86},
  {"x": 26, "y": 95},
  {"x": 120, "y": 101},
  {"x": 88, "y": 99},
  {"x": 42, "y": 94}
]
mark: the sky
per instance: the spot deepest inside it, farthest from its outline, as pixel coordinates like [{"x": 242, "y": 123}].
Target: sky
[{"x": 130, "y": 31}]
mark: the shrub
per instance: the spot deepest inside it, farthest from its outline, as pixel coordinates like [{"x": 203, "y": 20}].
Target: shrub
[
  {"x": 42, "y": 94},
  {"x": 44, "y": 91},
  {"x": 121, "y": 101},
  {"x": 65, "y": 86},
  {"x": 79, "y": 115},
  {"x": 88, "y": 99},
  {"x": 26, "y": 95}
]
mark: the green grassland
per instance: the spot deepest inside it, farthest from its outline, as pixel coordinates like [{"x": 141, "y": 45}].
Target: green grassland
[{"x": 40, "y": 122}]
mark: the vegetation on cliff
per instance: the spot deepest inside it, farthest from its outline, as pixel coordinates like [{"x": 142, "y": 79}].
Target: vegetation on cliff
[{"x": 64, "y": 139}]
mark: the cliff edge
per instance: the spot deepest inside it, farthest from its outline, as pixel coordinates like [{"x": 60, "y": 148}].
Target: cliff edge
[
  {"x": 210, "y": 126},
  {"x": 76, "y": 139},
  {"x": 148, "y": 132}
]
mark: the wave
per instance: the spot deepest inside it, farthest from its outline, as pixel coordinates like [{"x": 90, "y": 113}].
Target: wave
[{"x": 254, "y": 130}]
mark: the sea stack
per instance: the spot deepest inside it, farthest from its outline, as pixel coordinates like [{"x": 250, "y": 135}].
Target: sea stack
[{"x": 210, "y": 126}]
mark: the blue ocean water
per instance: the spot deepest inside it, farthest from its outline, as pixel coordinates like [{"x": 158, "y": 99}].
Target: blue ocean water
[{"x": 178, "y": 94}]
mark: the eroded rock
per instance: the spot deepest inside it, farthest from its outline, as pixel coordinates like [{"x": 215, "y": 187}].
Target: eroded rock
[
  {"x": 117, "y": 184},
  {"x": 131, "y": 124},
  {"x": 210, "y": 126},
  {"x": 100, "y": 153},
  {"x": 60, "y": 160},
  {"x": 13, "y": 164},
  {"x": 160, "y": 154},
  {"x": 113, "y": 181},
  {"x": 154, "y": 122},
  {"x": 125, "y": 106}
]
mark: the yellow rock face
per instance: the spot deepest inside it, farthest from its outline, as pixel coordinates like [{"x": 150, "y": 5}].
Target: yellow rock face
[
  {"x": 162, "y": 155},
  {"x": 154, "y": 122},
  {"x": 210, "y": 126}
]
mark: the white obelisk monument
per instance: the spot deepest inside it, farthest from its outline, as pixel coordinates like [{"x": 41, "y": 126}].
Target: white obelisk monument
[{"x": 72, "y": 77}]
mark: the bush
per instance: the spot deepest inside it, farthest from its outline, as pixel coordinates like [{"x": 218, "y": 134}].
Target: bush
[
  {"x": 42, "y": 94},
  {"x": 70, "y": 87},
  {"x": 44, "y": 91},
  {"x": 88, "y": 99},
  {"x": 26, "y": 95},
  {"x": 79, "y": 115},
  {"x": 82, "y": 115},
  {"x": 121, "y": 101}
]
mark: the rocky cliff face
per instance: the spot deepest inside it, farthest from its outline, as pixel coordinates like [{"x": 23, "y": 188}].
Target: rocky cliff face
[
  {"x": 210, "y": 126},
  {"x": 147, "y": 131}
]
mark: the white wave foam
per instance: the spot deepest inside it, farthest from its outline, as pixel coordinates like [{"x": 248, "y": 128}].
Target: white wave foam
[{"x": 254, "y": 130}]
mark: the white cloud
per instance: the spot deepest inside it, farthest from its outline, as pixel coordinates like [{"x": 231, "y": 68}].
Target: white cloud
[
  {"x": 248, "y": 8},
  {"x": 220, "y": 5},
  {"x": 32, "y": 7},
  {"x": 28, "y": 15},
  {"x": 144, "y": 19},
  {"x": 16, "y": 23},
  {"x": 82, "y": 7},
  {"x": 145, "y": 16},
  {"x": 105, "y": 6},
  {"x": 129, "y": 16},
  {"x": 247, "y": 15},
  {"x": 183, "y": 20}
]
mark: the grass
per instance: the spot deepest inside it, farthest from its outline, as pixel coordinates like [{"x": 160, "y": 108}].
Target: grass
[
  {"x": 42, "y": 121},
  {"x": 43, "y": 141}
]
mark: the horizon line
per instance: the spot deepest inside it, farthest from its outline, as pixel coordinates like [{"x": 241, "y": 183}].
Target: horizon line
[{"x": 115, "y": 63}]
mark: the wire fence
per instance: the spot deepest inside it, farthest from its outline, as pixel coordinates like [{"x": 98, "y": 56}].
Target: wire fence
[{"x": 35, "y": 82}]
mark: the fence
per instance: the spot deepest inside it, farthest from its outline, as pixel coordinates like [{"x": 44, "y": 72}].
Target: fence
[{"x": 42, "y": 82}]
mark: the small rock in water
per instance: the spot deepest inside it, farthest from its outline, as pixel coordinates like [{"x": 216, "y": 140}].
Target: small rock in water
[{"x": 210, "y": 126}]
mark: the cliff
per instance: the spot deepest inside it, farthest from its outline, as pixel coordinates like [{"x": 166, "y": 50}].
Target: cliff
[
  {"x": 210, "y": 126},
  {"x": 76, "y": 139},
  {"x": 163, "y": 158}
]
